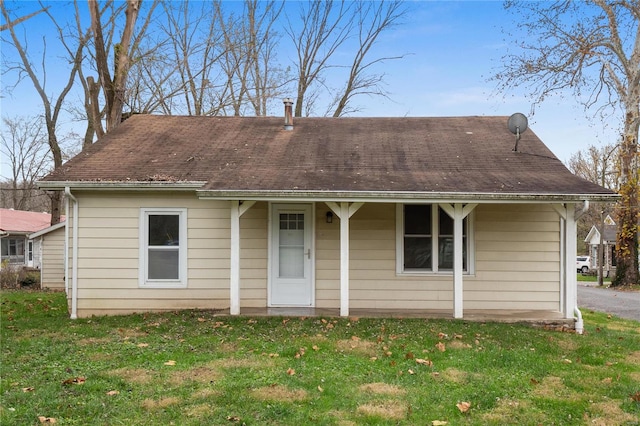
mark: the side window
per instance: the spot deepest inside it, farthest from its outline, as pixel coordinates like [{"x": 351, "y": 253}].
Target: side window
[
  {"x": 163, "y": 248},
  {"x": 427, "y": 239}
]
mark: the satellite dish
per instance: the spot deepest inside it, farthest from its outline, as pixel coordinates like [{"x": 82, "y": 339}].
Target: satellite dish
[{"x": 517, "y": 124}]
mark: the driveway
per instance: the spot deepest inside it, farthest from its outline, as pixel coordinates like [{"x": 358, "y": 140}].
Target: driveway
[{"x": 625, "y": 304}]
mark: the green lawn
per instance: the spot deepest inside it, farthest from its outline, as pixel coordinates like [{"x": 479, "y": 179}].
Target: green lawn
[{"x": 195, "y": 368}]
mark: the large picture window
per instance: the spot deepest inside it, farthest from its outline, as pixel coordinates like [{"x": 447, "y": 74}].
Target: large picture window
[
  {"x": 163, "y": 248},
  {"x": 426, "y": 239}
]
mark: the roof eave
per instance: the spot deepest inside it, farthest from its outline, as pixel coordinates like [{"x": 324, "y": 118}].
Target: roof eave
[
  {"x": 119, "y": 185},
  {"x": 408, "y": 197}
]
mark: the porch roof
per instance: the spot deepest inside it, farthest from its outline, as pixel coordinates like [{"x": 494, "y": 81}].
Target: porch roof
[{"x": 358, "y": 158}]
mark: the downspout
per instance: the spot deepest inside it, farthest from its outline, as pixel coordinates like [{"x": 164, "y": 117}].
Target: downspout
[{"x": 74, "y": 255}]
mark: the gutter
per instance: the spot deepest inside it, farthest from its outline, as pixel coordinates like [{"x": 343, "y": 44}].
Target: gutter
[
  {"x": 399, "y": 196},
  {"x": 116, "y": 185},
  {"x": 74, "y": 254}
]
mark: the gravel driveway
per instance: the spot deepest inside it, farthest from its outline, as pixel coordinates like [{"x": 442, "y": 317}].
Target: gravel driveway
[{"x": 625, "y": 304}]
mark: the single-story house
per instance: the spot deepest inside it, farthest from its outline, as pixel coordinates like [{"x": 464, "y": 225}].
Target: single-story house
[
  {"x": 49, "y": 255},
  {"x": 350, "y": 215},
  {"x": 15, "y": 227},
  {"x": 608, "y": 245}
]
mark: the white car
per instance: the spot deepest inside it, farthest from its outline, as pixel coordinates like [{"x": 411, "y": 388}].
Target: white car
[{"x": 583, "y": 264}]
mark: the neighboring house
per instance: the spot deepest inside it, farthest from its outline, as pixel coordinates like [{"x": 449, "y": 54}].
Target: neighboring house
[
  {"x": 396, "y": 215},
  {"x": 15, "y": 227},
  {"x": 608, "y": 245},
  {"x": 50, "y": 255}
]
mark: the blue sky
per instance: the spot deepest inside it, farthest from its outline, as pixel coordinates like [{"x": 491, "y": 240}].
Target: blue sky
[{"x": 451, "y": 47}]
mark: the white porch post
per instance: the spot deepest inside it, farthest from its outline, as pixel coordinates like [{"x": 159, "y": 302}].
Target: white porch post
[
  {"x": 571, "y": 249},
  {"x": 344, "y": 211},
  {"x": 457, "y": 261},
  {"x": 234, "y": 273},
  {"x": 458, "y": 212},
  {"x": 344, "y": 259},
  {"x": 237, "y": 210}
]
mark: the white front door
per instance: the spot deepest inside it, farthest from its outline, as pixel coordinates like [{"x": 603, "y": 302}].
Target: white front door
[{"x": 291, "y": 255}]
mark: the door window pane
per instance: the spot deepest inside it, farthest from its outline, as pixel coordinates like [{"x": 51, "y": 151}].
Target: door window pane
[{"x": 291, "y": 241}]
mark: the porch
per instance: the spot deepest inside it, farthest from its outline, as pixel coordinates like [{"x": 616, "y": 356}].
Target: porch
[{"x": 537, "y": 317}]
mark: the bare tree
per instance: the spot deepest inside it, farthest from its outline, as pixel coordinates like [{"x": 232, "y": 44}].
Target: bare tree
[
  {"x": 23, "y": 142},
  {"x": 325, "y": 26},
  {"x": 591, "y": 48},
  {"x": 113, "y": 88},
  {"x": 374, "y": 18},
  {"x": 21, "y": 19},
  {"x": 52, "y": 106}
]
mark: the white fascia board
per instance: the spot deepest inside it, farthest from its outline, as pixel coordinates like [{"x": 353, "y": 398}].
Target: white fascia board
[
  {"x": 47, "y": 230},
  {"x": 401, "y": 197},
  {"x": 117, "y": 185}
]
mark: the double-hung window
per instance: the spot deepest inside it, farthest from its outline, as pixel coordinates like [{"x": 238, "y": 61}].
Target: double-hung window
[
  {"x": 425, "y": 242},
  {"x": 163, "y": 247}
]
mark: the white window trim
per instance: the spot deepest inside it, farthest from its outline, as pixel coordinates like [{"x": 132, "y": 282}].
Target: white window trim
[
  {"x": 435, "y": 234},
  {"x": 143, "y": 280}
]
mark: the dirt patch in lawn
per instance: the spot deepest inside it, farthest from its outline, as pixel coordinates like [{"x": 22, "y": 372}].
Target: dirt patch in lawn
[
  {"x": 200, "y": 410},
  {"x": 93, "y": 341},
  {"x": 133, "y": 375},
  {"x": 243, "y": 363},
  {"x": 552, "y": 387},
  {"x": 382, "y": 389},
  {"x": 508, "y": 410},
  {"x": 363, "y": 347},
  {"x": 197, "y": 374},
  {"x": 279, "y": 393},
  {"x": 457, "y": 344},
  {"x": 633, "y": 358},
  {"x": 155, "y": 404},
  {"x": 128, "y": 333},
  {"x": 454, "y": 375},
  {"x": 394, "y": 410},
  {"x": 567, "y": 345},
  {"x": 609, "y": 413}
]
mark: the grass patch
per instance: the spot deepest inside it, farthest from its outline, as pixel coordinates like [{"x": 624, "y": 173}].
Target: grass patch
[{"x": 193, "y": 368}]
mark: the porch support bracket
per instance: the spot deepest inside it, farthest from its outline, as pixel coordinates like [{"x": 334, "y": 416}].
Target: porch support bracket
[
  {"x": 458, "y": 212},
  {"x": 238, "y": 208},
  {"x": 344, "y": 211}
]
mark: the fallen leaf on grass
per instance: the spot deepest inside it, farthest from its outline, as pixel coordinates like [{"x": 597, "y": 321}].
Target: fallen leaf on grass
[
  {"x": 636, "y": 396},
  {"x": 439, "y": 423},
  {"x": 441, "y": 346},
  {"x": 233, "y": 418},
  {"x": 143, "y": 345},
  {"x": 74, "y": 381},
  {"x": 607, "y": 380},
  {"x": 463, "y": 406},
  {"x": 113, "y": 392},
  {"x": 320, "y": 389},
  {"x": 426, "y": 362},
  {"x": 170, "y": 362},
  {"x": 291, "y": 372},
  {"x": 29, "y": 389},
  {"x": 410, "y": 371},
  {"x": 44, "y": 419},
  {"x": 315, "y": 348},
  {"x": 201, "y": 319}
]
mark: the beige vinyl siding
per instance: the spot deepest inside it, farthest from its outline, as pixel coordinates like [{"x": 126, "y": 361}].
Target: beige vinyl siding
[
  {"x": 517, "y": 252},
  {"x": 52, "y": 267},
  {"x": 108, "y": 254}
]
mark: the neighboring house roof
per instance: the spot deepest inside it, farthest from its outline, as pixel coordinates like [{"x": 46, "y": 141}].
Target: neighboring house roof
[
  {"x": 609, "y": 235},
  {"x": 231, "y": 156},
  {"x": 23, "y": 222}
]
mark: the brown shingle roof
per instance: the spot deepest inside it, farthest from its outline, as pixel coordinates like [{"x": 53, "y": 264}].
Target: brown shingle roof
[{"x": 436, "y": 154}]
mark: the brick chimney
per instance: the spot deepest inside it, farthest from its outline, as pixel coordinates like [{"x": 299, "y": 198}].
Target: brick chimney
[{"x": 288, "y": 114}]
